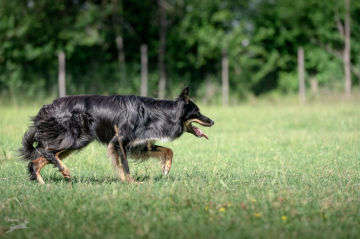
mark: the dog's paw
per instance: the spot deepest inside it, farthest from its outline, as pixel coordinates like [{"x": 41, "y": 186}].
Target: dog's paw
[
  {"x": 131, "y": 180},
  {"x": 40, "y": 180},
  {"x": 165, "y": 170},
  {"x": 66, "y": 173}
]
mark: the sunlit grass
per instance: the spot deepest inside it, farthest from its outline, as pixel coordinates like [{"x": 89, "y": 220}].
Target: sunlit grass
[{"x": 267, "y": 171}]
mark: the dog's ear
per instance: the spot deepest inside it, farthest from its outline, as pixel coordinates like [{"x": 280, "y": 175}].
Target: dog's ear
[{"x": 184, "y": 96}]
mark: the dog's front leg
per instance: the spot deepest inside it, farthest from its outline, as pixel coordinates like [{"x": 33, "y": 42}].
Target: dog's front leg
[
  {"x": 116, "y": 150},
  {"x": 34, "y": 168},
  {"x": 112, "y": 153},
  {"x": 167, "y": 156}
]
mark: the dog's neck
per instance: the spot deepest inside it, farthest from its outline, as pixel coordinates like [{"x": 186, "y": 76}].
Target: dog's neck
[{"x": 165, "y": 116}]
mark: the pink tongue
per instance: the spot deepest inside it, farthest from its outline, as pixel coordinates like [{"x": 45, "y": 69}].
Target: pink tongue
[{"x": 199, "y": 132}]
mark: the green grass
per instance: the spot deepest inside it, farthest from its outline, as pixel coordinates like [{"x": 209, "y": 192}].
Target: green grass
[{"x": 266, "y": 172}]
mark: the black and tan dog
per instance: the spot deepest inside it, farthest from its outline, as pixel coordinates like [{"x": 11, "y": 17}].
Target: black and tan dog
[{"x": 71, "y": 123}]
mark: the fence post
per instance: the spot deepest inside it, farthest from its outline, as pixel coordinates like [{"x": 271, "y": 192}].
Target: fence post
[
  {"x": 225, "y": 76},
  {"x": 62, "y": 72},
  {"x": 301, "y": 72},
  {"x": 144, "y": 70}
]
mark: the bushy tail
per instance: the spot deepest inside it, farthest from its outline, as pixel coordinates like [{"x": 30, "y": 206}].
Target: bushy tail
[{"x": 28, "y": 151}]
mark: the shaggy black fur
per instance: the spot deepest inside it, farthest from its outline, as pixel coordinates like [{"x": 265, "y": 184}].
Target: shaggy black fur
[{"x": 71, "y": 123}]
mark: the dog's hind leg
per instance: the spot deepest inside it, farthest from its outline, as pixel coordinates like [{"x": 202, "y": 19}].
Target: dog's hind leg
[
  {"x": 54, "y": 158},
  {"x": 63, "y": 169},
  {"x": 34, "y": 168},
  {"x": 36, "y": 165}
]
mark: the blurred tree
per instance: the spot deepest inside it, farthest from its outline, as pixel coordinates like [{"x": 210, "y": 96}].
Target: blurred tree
[
  {"x": 163, "y": 6},
  {"x": 335, "y": 36},
  {"x": 262, "y": 38},
  {"x": 281, "y": 27},
  {"x": 204, "y": 29},
  {"x": 31, "y": 35},
  {"x": 118, "y": 23}
]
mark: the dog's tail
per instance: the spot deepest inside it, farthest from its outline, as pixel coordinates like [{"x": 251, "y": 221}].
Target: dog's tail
[{"x": 28, "y": 151}]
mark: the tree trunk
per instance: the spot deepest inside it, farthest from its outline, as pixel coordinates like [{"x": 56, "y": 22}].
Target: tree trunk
[
  {"x": 118, "y": 22},
  {"x": 162, "y": 36},
  {"x": 301, "y": 72},
  {"x": 347, "y": 63},
  {"x": 144, "y": 70},
  {"x": 225, "y": 77},
  {"x": 62, "y": 72}
]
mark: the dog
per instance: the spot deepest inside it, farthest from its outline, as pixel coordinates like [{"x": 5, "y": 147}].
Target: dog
[{"x": 71, "y": 123}]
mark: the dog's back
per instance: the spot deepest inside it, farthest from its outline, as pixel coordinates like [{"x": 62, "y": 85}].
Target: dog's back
[{"x": 73, "y": 122}]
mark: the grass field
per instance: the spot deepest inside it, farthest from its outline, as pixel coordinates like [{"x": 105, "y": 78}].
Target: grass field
[{"x": 266, "y": 172}]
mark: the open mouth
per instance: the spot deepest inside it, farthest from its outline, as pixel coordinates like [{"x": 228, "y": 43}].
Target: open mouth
[{"x": 197, "y": 132}]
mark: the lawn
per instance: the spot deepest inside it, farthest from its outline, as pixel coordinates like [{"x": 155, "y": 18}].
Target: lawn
[{"x": 267, "y": 172}]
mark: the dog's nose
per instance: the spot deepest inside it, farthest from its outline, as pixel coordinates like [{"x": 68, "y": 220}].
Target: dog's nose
[{"x": 212, "y": 123}]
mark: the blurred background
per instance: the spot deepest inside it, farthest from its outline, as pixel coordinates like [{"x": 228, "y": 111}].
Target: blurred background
[{"x": 226, "y": 51}]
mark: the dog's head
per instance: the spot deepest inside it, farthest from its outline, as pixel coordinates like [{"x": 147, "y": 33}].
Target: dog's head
[{"x": 191, "y": 114}]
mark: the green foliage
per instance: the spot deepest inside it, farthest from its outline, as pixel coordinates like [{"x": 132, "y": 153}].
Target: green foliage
[
  {"x": 262, "y": 38},
  {"x": 288, "y": 81}
]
